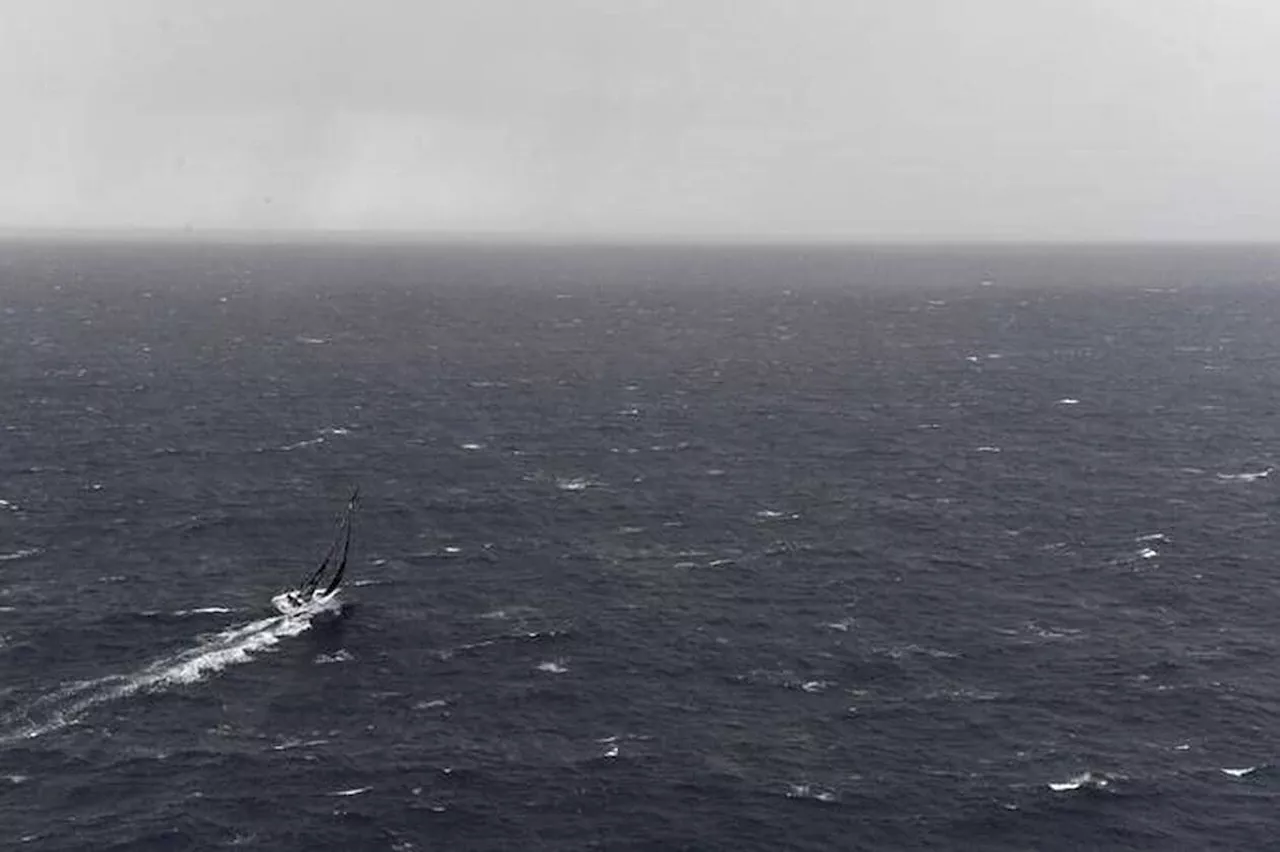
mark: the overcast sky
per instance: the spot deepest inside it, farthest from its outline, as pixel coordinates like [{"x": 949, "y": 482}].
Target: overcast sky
[{"x": 832, "y": 119}]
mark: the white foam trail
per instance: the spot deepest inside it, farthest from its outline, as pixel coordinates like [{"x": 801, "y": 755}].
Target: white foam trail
[
  {"x": 66, "y": 705},
  {"x": 19, "y": 554}
]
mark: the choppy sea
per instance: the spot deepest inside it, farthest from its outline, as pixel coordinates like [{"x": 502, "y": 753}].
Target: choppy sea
[{"x": 660, "y": 549}]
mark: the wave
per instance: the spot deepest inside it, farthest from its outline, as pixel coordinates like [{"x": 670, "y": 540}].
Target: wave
[
  {"x": 1085, "y": 780},
  {"x": 66, "y": 705},
  {"x": 1245, "y": 477}
]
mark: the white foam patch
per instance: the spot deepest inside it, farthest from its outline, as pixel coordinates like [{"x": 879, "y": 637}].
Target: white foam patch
[
  {"x": 1086, "y": 779},
  {"x": 289, "y": 745},
  {"x": 1245, "y": 477},
  {"x": 553, "y": 667},
  {"x": 64, "y": 706},
  {"x": 810, "y": 791},
  {"x": 340, "y": 656},
  {"x": 300, "y": 444},
  {"x": 204, "y": 610},
  {"x": 1240, "y": 773}
]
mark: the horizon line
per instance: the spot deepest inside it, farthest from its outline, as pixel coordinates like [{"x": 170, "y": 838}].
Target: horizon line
[{"x": 349, "y": 236}]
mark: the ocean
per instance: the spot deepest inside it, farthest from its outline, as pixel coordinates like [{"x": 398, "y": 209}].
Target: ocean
[{"x": 684, "y": 548}]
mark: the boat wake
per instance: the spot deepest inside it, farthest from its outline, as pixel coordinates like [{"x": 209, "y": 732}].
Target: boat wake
[{"x": 66, "y": 705}]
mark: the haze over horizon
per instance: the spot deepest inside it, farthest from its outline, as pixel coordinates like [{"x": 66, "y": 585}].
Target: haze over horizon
[{"x": 992, "y": 120}]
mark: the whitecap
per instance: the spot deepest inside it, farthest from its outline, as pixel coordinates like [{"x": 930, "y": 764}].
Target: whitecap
[
  {"x": 553, "y": 666},
  {"x": 812, "y": 686},
  {"x": 432, "y": 704},
  {"x": 289, "y": 745},
  {"x": 472, "y": 446},
  {"x": 809, "y": 791},
  {"x": 611, "y": 751},
  {"x": 340, "y": 656},
  {"x": 843, "y": 625},
  {"x": 300, "y": 444},
  {"x": 19, "y": 554},
  {"x": 1152, "y": 537},
  {"x": 1054, "y": 632},
  {"x": 312, "y": 341},
  {"x": 987, "y": 448},
  {"x": 1239, "y": 773},
  {"x": 1086, "y": 779},
  {"x": 354, "y": 791},
  {"x": 1245, "y": 477},
  {"x": 574, "y": 484},
  {"x": 1148, "y": 553},
  {"x": 204, "y": 610},
  {"x": 6, "y": 504},
  {"x": 1066, "y": 400}
]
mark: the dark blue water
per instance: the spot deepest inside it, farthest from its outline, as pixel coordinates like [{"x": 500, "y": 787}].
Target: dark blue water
[{"x": 660, "y": 549}]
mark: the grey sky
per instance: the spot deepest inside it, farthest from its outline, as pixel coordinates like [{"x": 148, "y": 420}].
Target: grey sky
[{"x": 859, "y": 119}]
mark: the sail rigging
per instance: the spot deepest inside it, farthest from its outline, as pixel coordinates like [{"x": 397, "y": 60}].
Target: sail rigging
[{"x": 341, "y": 540}]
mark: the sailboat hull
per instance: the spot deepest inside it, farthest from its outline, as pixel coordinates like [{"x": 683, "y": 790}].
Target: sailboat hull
[{"x": 293, "y": 605}]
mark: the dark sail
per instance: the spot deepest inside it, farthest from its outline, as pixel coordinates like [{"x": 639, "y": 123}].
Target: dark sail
[
  {"x": 343, "y": 540},
  {"x": 342, "y": 565}
]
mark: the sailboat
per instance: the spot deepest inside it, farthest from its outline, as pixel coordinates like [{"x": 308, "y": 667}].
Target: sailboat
[{"x": 314, "y": 593}]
